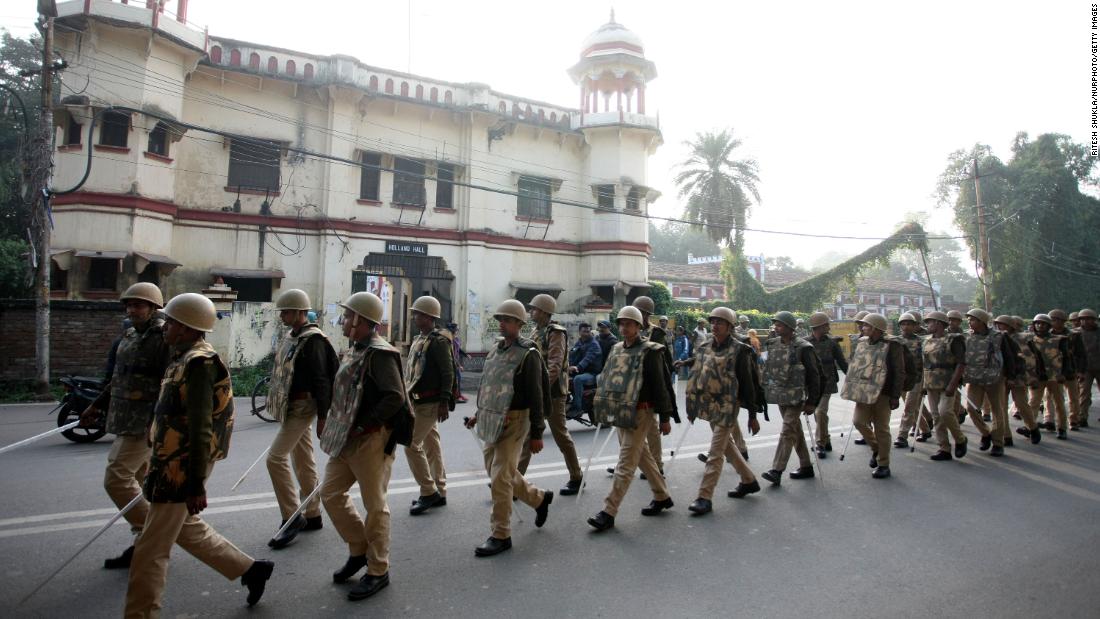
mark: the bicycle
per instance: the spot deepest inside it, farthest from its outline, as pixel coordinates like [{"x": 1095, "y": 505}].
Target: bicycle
[{"x": 259, "y": 400}]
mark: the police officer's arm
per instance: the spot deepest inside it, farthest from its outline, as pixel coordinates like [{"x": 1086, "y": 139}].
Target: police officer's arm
[
  {"x": 530, "y": 377},
  {"x": 1077, "y": 347},
  {"x": 312, "y": 365},
  {"x": 746, "y": 383},
  {"x": 813, "y": 374},
  {"x": 201, "y": 374},
  {"x": 1010, "y": 353},
  {"x": 895, "y": 370},
  {"x": 838, "y": 357},
  {"x": 555, "y": 354},
  {"x": 383, "y": 395},
  {"x": 1067, "y": 366},
  {"x": 654, "y": 374},
  {"x": 439, "y": 353}
]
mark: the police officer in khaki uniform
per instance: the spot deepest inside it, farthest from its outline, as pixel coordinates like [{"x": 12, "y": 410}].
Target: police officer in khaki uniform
[
  {"x": 552, "y": 341},
  {"x": 944, "y": 363},
  {"x": 299, "y": 392},
  {"x": 721, "y": 381},
  {"x": 1087, "y": 340},
  {"x": 913, "y": 398},
  {"x": 792, "y": 381},
  {"x": 990, "y": 360},
  {"x": 190, "y": 431},
  {"x": 369, "y": 416},
  {"x": 657, "y": 335},
  {"x": 129, "y": 398},
  {"x": 512, "y": 400},
  {"x": 1069, "y": 388},
  {"x": 831, "y": 356},
  {"x": 430, "y": 374},
  {"x": 954, "y": 325},
  {"x": 874, "y": 381},
  {"x": 632, "y": 396},
  {"x": 1054, "y": 350},
  {"x": 1032, "y": 372}
]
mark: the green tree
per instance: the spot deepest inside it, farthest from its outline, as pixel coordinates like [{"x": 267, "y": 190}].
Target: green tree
[
  {"x": 662, "y": 297},
  {"x": 1041, "y": 227},
  {"x": 672, "y": 242},
  {"x": 720, "y": 189},
  {"x": 13, "y": 269},
  {"x": 15, "y": 54}
]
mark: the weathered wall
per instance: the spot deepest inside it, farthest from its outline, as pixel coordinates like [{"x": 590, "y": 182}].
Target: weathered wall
[{"x": 81, "y": 333}]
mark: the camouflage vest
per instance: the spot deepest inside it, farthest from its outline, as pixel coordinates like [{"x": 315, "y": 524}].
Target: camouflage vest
[
  {"x": 542, "y": 340},
  {"x": 984, "y": 361},
  {"x": 1051, "y": 349},
  {"x": 498, "y": 387},
  {"x": 1031, "y": 366},
  {"x": 784, "y": 374},
  {"x": 286, "y": 353},
  {"x": 347, "y": 393},
  {"x": 418, "y": 356},
  {"x": 620, "y": 384},
  {"x": 167, "y": 478},
  {"x": 824, "y": 349},
  {"x": 712, "y": 386},
  {"x": 939, "y": 363},
  {"x": 913, "y": 344},
  {"x": 135, "y": 384},
  {"x": 1091, "y": 342},
  {"x": 866, "y": 376}
]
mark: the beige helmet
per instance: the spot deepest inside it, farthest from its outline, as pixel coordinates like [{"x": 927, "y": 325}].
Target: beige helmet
[
  {"x": 645, "y": 304},
  {"x": 1087, "y": 313},
  {"x": 907, "y": 317},
  {"x": 630, "y": 312},
  {"x": 724, "y": 313},
  {"x": 365, "y": 304},
  {"x": 1005, "y": 320},
  {"x": 979, "y": 314},
  {"x": 428, "y": 306},
  {"x": 1057, "y": 314},
  {"x": 1074, "y": 316},
  {"x": 860, "y": 316},
  {"x": 786, "y": 318},
  {"x": 293, "y": 299},
  {"x": 1042, "y": 318},
  {"x": 818, "y": 319},
  {"x": 1018, "y": 322},
  {"x": 511, "y": 308},
  {"x": 544, "y": 302},
  {"x": 955, "y": 315},
  {"x": 144, "y": 291},
  {"x": 192, "y": 310},
  {"x": 743, "y": 319},
  {"x": 937, "y": 315},
  {"x": 917, "y": 316},
  {"x": 878, "y": 321}
]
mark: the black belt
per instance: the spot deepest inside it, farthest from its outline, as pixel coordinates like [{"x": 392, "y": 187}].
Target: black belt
[{"x": 941, "y": 366}]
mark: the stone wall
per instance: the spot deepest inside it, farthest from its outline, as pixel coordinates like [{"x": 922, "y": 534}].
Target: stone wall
[{"x": 81, "y": 333}]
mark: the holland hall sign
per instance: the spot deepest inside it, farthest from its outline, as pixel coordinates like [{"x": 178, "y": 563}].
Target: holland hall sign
[{"x": 406, "y": 247}]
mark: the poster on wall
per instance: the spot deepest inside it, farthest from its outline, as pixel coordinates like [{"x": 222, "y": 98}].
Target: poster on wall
[{"x": 377, "y": 285}]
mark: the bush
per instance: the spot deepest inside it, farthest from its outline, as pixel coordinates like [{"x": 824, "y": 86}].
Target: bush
[{"x": 246, "y": 378}]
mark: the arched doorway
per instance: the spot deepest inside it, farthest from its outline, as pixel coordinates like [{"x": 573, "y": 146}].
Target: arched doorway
[{"x": 411, "y": 276}]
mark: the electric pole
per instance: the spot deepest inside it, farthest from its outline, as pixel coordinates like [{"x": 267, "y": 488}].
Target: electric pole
[
  {"x": 39, "y": 166},
  {"x": 983, "y": 242}
]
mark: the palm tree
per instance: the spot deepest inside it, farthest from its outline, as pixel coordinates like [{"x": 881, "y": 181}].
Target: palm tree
[{"x": 718, "y": 187}]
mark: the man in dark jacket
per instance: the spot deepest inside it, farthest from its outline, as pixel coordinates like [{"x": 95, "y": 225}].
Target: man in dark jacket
[
  {"x": 585, "y": 362},
  {"x": 607, "y": 341}
]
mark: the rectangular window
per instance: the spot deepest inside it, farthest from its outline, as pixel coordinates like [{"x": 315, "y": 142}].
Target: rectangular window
[
  {"x": 150, "y": 274},
  {"x": 256, "y": 289},
  {"x": 158, "y": 140},
  {"x": 408, "y": 182},
  {"x": 634, "y": 198},
  {"x": 534, "y": 198},
  {"x": 102, "y": 274},
  {"x": 59, "y": 278},
  {"x": 114, "y": 129},
  {"x": 72, "y": 132},
  {"x": 370, "y": 179},
  {"x": 605, "y": 196},
  {"x": 254, "y": 164},
  {"x": 444, "y": 186}
]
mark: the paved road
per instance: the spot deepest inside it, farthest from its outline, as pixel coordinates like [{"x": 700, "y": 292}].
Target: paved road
[{"x": 1014, "y": 537}]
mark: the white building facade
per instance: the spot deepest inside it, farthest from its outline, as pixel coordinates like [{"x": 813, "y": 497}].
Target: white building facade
[{"x": 440, "y": 188}]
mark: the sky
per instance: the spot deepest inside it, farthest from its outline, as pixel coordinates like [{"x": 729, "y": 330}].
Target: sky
[{"x": 850, "y": 108}]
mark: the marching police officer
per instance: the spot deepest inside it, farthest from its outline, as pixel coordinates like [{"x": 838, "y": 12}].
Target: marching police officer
[
  {"x": 954, "y": 325},
  {"x": 1070, "y": 386},
  {"x": 792, "y": 380},
  {"x": 369, "y": 416},
  {"x": 430, "y": 375},
  {"x": 1054, "y": 350},
  {"x": 1032, "y": 371},
  {"x": 299, "y": 392},
  {"x": 990, "y": 360},
  {"x": 721, "y": 381},
  {"x": 742, "y": 326},
  {"x": 913, "y": 400},
  {"x": 831, "y": 356},
  {"x": 190, "y": 432},
  {"x": 657, "y": 335},
  {"x": 632, "y": 391},
  {"x": 511, "y": 402},
  {"x": 129, "y": 398},
  {"x": 552, "y": 341},
  {"x": 944, "y": 363},
  {"x": 874, "y": 382},
  {"x": 1087, "y": 340}
]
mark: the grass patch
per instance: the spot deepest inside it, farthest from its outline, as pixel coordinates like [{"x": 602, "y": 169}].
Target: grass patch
[
  {"x": 16, "y": 391},
  {"x": 246, "y": 378}
]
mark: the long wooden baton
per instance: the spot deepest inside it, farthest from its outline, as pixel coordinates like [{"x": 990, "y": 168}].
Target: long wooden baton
[
  {"x": 121, "y": 513},
  {"x": 249, "y": 469},
  {"x": 38, "y": 437},
  {"x": 676, "y": 449},
  {"x": 813, "y": 451},
  {"x": 848, "y": 440},
  {"x": 584, "y": 478},
  {"x": 294, "y": 516}
]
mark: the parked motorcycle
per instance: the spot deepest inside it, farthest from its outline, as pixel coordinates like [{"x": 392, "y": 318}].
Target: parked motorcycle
[{"x": 80, "y": 392}]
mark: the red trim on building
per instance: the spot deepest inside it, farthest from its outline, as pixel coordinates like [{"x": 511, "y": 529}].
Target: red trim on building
[
  {"x": 162, "y": 158},
  {"x": 368, "y": 202},
  {"x": 70, "y": 148},
  {"x": 111, "y": 149}
]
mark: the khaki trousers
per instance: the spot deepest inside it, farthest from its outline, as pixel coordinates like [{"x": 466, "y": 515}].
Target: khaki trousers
[
  {"x": 556, "y": 421},
  {"x": 791, "y": 436},
  {"x": 722, "y": 448},
  {"x": 653, "y": 444},
  {"x": 946, "y": 420},
  {"x": 912, "y": 408},
  {"x": 821, "y": 418},
  {"x": 1055, "y": 401},
  {"x": 1023, "y": 405},
  {"x": 363, "y": 461},
  {"x": 127, "y": 465},
  {"x": 424, "y": 453},
  {"x": 1084, "y": 397},
  {"x": 505, "y": 480},
  {"x": 873, "y": 422},
  {"x": 635, "y": 452},
  {"x": 167, "y": 524},
  {"x": 980, "y": 395},
  {"x": 294, "y": 439},
  {"x": 1071, "y": 394}
]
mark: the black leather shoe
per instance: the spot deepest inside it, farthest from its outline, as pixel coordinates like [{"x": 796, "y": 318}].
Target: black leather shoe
[
  {"x": 656, "y": 507},
  {"x": 901, "y": 442},
  {"x": 924, "y": 436},
  {"x": 700, "y": 507},
  {"x": 773, "y": 476},
  {"x": 353, "y": 565},
  {"x": 821, "y": 452},
  {"x": 702, "y": 458},
  {"x": 828, "y": 446},
  {"x": 543, "y": 510},
  {"x": 602, "y": 521},
  {"x": 287, "y": 536},
  {"x": 987, "y": 442},
  {"x": 745, "y": 455},
  {"x": 1036, "y": 436},
  {"x": 1061, "y": 434},
  {"x": 314, "y": 523},
  {"x": 940, "y": 455},
  {"x": 881, "y": 472},
  {"x": 255, "y": 579},
  {"x": 610, "y": 470},
  {"x": 874, "y": 461},
  {"x": 1022, "y": 431},
  {"x": 804, "y": 472},
  {"x": 1049, "y": 426},
  {"x": 997, "y": 451},
  {"x": 1074, "y": 427},
  {"x": 1008, "y": 442},
  {"x": 120, "y": 562},
  {"x": 743, "y": 489},
  {"x": 962, "y": 418},
  {"x": 424, "y": 503},
  {"x": 860, "y": 441},
  {"x": 571, "y": 487},
  {"x": 493, "y": 546},
  {"x": 960, "y": 449},
  {"x": 368, "y": 586},
  {"x": 1083, "y": 424}
]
